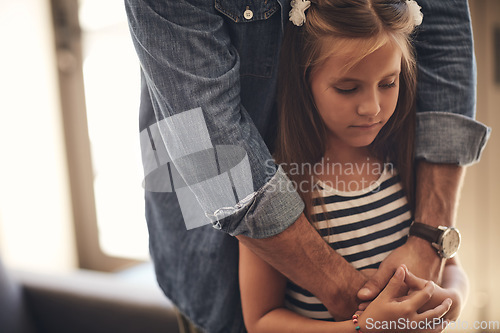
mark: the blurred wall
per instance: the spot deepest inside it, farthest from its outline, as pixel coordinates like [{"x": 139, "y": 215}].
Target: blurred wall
[{"x": 480, "y": 202}]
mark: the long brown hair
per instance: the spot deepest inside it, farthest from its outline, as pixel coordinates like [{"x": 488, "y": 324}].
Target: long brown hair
[{"x": 369, "y": 24}]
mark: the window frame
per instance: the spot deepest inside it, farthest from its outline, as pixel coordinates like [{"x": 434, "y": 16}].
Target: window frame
[{"x": 69, "y": 59}]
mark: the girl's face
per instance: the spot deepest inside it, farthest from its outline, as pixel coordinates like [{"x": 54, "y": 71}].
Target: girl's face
[{"x": 356, "y": 104}]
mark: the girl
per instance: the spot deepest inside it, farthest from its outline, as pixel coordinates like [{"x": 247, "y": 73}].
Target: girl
[{"x": 347, "y": 104}]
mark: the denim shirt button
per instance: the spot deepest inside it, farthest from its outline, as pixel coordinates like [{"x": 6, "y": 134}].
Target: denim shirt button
[{"x": 248, "y": 14}]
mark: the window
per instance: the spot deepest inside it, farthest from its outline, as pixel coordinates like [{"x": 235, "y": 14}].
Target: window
[
  {"x": 99, "y": 92},
  {"x": 112, "y": 91}
]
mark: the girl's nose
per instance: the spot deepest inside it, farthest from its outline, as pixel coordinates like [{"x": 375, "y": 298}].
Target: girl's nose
[{"x": 369, "y": 106}]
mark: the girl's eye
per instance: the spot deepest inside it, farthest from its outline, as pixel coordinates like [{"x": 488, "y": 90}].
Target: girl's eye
[
  {"x": 388, "y": 85},
  {"x": 345, "y": 91}
]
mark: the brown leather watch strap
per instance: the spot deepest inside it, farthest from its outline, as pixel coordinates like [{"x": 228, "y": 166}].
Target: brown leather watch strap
[{"x": 425, "y": 231}]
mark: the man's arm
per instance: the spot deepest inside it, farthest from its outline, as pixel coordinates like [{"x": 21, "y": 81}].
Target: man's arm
[
  {"x": 437, "y": 198},
  {"x": 202, "y": 130},
  {"x": 447, "y": 136},
  {"x": 192, "y": 70}
]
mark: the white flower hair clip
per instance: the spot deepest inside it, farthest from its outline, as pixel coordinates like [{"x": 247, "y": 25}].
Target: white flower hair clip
[
  {"x": 298, "y": 13},
  {"x": 415, "y": 12}
]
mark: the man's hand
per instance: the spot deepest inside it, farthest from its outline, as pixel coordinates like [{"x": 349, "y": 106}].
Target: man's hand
[
  {"x": 437, "y": 191},
  {"x": 417, "y": 254},
  {"x": 394, "y": 304}
]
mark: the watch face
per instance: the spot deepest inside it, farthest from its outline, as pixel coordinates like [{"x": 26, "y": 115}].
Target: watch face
[{"x": 450, "y": 242}]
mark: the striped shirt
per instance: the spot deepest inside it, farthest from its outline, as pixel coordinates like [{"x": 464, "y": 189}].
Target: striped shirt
[{"x": 363, "y": 226}]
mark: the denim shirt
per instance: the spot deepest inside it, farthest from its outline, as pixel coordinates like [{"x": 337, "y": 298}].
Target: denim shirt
[{"x": 220, "y": 58}]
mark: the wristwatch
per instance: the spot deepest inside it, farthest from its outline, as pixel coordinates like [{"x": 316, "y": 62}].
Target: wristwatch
[{"x": 446, "y": 240}]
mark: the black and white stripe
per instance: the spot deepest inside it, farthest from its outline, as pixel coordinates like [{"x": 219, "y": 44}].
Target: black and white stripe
[{"x": 362, "y": 226}]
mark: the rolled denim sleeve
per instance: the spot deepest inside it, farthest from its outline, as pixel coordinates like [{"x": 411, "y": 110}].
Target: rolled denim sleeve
[
  {"x": 192, "y": 73},
  {"x": 446, "y": 95}
]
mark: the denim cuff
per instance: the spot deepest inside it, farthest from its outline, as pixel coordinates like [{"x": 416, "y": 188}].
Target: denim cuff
[
  {"x": 443, "y": 137},
  {"x": 269, "y": 211}
]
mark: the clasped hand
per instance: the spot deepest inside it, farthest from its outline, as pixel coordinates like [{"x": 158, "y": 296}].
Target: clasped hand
[
  {"x": 423, "y": 262},
  {"x": 406, "y": 304}
]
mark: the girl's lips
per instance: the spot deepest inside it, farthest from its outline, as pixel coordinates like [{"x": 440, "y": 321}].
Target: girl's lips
[{"x": 366, "y": 126}]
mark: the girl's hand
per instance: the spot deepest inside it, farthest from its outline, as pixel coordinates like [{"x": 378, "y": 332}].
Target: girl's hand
[
  {"x": 395, "y": 305},
  {"x": 439, "y": 295}
]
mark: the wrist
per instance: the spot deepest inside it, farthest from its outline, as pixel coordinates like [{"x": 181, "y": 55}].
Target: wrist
[
  {"x": 434, "y": 221},
  {"x": 426, "y": 254},
  {"x": 423, "y": 248},
  {"x": 446, "y": 240},
  {"x": 344, "y": 295},
  {"x": 359, "y": 324}
]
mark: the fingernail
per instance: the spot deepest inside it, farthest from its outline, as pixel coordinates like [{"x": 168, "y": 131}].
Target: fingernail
[
  {"x": 399, "y": 273},
  {"x": 364, "y": 292}
]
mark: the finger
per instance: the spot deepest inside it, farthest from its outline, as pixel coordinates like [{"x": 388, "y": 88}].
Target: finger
[
  {"x": 374, "y": 286},
  {"x": 393, "y": 288},
  {"x": 420, "y": 297},
  {"x": 414, "y": 282},
  {"x": 363, "y": 306},
  {"x": 438, "y": 312}
]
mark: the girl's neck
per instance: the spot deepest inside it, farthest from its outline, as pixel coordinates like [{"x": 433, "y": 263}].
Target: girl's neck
[
  {"x": 343, "y": 154},
  {"x": 349, "y": 168}
]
